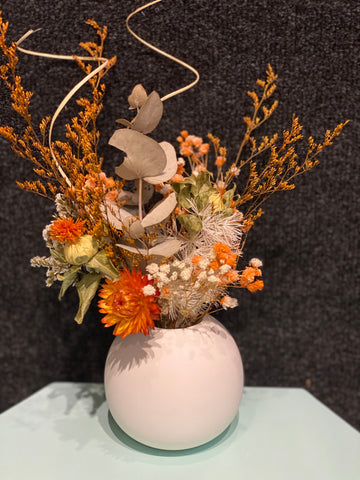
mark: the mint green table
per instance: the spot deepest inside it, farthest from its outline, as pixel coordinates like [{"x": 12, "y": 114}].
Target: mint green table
[{"x": 65, "y": 432}]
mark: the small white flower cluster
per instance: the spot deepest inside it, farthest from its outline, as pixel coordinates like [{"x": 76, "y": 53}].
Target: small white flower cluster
[
  {"x": 166, "y": 273},
  {"x": 228, "y": 302},
  {"x": 255, "y": 262},
  {"x": 149, "y": 290}
]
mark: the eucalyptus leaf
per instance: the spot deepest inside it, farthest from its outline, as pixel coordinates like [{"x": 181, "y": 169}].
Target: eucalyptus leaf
[
  {"x": 102, "y": 263},
  {"x": 191, "y": 223},
  {"x": 86, "y": 289},
  {"x": 124, "y": 122},
  {"x": 115, "y": 215},
  {"x": 138, "y": 97},
  {"x": 161, "y": 211},
  {"x": 149, "y": 115},
  {"x": 167, "y": 248},
  {"x": 164, "y": 249},
  {"x": 68, "y": 279},
  {"x": 135, "y": 229},
  {"x": 145, "y": 157},
  {"x": 170, "y": 167}
]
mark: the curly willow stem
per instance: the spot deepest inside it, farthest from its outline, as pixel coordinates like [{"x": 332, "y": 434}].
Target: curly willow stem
[
  {"x": 104, "y": 63},
  {"x": 72, "y": 92},
  {"x": 161, "y": 52}
]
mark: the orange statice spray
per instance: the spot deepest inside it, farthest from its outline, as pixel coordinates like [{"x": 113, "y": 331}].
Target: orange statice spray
[
  {"x": 66, "y": 229},
  {"x": 129, "y": 303}
]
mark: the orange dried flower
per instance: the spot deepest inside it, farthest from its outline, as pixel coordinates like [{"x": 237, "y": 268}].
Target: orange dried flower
[
  {"x": 257, "y": 285},
  {"x": 219, "y": 162},
  {"x": 197, "y": 142},
  {"x": 177, "y": 178},
  {"x": 232, "y": 276},
  {"x": 204, "y": 149},
  {"x": 67, "y": 230},
  {"x": 129, "y": 303},
  {"x": 184, "y": 133},
  {"x": 224, "y": 254},
  {"x": 214, "y": 265},
  {"x": 186, "y": 151},
  {"x": 247, "y": 225},
  {"x": 196, "y": 259}
]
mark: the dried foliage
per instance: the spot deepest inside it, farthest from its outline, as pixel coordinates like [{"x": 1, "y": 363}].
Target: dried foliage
[{"x": 167, "y": 262}]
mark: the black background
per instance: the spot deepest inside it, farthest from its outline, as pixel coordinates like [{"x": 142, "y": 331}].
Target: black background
[{"x": 303, "y": 329}]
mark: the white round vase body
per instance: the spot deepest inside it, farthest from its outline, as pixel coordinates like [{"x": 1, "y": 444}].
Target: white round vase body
[{"x": 175, "y": 388}]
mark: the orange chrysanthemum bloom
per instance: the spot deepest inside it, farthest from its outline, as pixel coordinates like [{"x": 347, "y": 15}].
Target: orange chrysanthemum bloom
[
  {"x": 129, "y": 303},
  {"x": 67, "y": 230}
]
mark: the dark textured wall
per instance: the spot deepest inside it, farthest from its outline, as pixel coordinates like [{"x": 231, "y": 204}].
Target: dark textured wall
[{"x": 303, "y": 329}]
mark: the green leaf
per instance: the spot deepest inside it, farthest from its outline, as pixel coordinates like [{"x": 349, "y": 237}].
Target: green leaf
[
  {"x": 102, "y": 263},
  {"x": 228, "y": 197},
  {"x": 183, "y": 197},
  {"x": 203, "y": 179},
  {"x": 68, "y": 279},
  {"x": 191, "y": 223},
  {"x": 58, "y": 255},
  {"x": 86, "y": 289},
  {"x": 227, "y": 212},
  {"x": 203, "y": 196}
]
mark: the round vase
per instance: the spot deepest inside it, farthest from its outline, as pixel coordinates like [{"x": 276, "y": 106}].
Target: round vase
[{"x": 175, "y": 388}]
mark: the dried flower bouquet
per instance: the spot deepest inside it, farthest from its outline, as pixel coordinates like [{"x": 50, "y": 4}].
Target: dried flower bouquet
[{"x": 161, "y": 241}]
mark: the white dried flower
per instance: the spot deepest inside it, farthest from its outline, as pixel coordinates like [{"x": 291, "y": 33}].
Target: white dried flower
[
  {"x": 181, "y": 265},
  {"x": 165, "y": 189},
  {"x": 186, "y": 274},
  {"x": 224, "y": 269},
  {"x": 149, "y": 290},
  {"x": 165, "y": 268},
  {"x": 176, "y": 263},
  {"x": 228, "y": 302},
  {"x": 202, "y": 276},
  {"x": 163, "y": 277},
  {"x": 220, "y": 184},
  {"x": 256, "y": 263},
  {"x": 213, "y": 279},
  {"x": 45, "y": 233},
  {"x": 210, "y": 271},
  {"x": 204, "y": 263},
  {"x": 152, "y": 268},
  {"x": 174, "y": 276},
  {"x": 181, "y": 161},
  {"x": 234, "y": 171}
]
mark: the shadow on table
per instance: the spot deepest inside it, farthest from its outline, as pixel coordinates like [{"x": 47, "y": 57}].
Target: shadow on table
[
  {"x": 119, "y": 436},
  {"x": 91, "y": 394}
]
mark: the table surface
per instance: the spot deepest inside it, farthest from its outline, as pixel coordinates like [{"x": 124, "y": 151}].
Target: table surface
[{"x": 65, "y": 431}]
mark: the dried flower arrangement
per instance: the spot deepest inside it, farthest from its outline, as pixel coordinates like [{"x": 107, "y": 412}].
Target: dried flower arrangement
[{"x": 161, "y": 242}]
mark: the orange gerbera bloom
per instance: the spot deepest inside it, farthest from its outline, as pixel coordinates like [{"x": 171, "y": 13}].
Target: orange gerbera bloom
[
  {"x": 66, "y": 230},
  {"x": 129, "y": 303}
]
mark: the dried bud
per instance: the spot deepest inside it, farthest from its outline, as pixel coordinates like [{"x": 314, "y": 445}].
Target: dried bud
[{"x": 81, "y": 251}]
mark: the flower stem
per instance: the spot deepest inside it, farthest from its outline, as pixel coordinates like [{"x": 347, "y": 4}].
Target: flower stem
[{"x": 140, "y": 199}]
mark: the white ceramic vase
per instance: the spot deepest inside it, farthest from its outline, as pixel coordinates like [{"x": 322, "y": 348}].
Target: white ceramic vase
[{"x": 175, "y": 388}]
